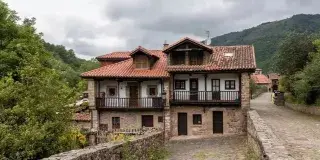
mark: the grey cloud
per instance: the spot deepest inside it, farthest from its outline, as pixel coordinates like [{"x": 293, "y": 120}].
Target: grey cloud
[{"x": 149, "y": 23}]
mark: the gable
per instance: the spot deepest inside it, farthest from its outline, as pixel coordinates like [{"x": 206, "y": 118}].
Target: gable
[{"x": 187, "y": 44}]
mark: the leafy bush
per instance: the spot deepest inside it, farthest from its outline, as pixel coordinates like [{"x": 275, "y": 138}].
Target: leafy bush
[{"x": 34, "y": 120}]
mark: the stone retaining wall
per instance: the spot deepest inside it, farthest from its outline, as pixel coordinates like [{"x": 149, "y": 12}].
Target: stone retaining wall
[
  {"x": 263, "y": 141},
  {"x": 138, "y": 147},
  {"x": 314, "y": 110}
]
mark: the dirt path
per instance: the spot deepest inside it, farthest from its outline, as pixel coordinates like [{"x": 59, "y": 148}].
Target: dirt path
[{"x": 300, "y": 133}]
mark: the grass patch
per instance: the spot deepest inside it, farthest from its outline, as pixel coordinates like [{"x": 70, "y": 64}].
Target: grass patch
[{"x": 251, "y": 155}]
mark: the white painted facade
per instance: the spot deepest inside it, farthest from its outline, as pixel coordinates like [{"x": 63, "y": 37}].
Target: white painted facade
[
  {"x": 122, "y": 92},
  {"x": 224, "y": 94}
]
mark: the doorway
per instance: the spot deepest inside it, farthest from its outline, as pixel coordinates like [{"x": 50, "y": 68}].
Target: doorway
[
  {"x": 182, "y": 124},
  {"x": 215, "y": 89},
  {"x": 193, "y": 89},
  {"x": 217, "y": 120},
  {"x": 133, "y": 95}
]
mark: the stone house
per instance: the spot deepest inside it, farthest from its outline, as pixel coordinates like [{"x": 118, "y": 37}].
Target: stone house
[
  {"x": 274, "y": 79},
  {"x": 82, "y": 120},
  {"x": 260, "y": 79},
  {"x": 187, "y": 88}
]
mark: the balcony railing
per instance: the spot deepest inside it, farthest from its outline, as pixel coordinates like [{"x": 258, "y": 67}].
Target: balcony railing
[
  {"x": 129, "y": 103},
  {"x": 206, "y": 96}
]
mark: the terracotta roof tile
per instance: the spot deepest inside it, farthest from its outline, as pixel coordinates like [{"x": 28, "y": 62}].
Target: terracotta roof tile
[
  {"x": 126, "y": 69},
  {"x": 187, "y": 39},
  {"x": 115, "y": 55},
  {"x": 143, "y": 50},
  {"x": 260, "y": 79},
  {"x": 243, "y": 57},
  {"x": 82, "y": 117}
]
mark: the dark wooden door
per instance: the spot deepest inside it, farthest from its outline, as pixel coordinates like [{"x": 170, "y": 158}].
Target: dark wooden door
[
  {"x": 182, "y": 124},
  {"x": 215, "y": 89},
  {"x": 217, "y": 119},
  {"x": 133, "y": 94},
  {"x": 193, "y": 89}
]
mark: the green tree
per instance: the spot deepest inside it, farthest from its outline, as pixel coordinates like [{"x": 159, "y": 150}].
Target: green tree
[
  {"x": 293, "y": 54},
  {"x": 34, "y": 115},
  {"x": 309, "y": 76}
]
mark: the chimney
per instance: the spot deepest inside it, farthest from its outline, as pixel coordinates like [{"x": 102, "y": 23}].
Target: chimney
[
  {"x": 258, "y": 71},
  {"x": 165, "y": 45}
]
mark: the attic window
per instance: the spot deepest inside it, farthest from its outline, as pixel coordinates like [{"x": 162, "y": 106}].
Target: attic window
[
  {"x": 228, "y": 54},
  {"x": 141, "y": 61}
]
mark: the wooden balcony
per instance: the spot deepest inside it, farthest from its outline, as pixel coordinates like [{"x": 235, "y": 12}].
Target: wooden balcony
[
  {"x": 209, "y": 98},
  {"x": 149, "y": 103}
]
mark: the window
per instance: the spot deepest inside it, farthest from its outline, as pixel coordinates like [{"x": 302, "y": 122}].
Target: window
[
  {"x": 196, "y": 58},
  {"x": 230, "y": 84},
  {"x": 103, "y": 127},
  {"x": 197, "y": 119},
  {"x": 180, "y": 84},
  {"x": 160, "y": 119},
  {"x": 147, "y": 120},
  {"x": 111, "y": 91},
  {"x": 141, "y": 61},
  {"x": 152, "y": 91},
  {"x": 115, "y": 122},
  {"x": 178, "y": 58}
]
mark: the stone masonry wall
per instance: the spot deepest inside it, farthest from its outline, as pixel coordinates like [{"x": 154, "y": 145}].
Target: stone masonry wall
[
  {"x": 130, "y": 119},
  {"x": 263, "y": 141},
  {"x": 245, "y": 91},
  {"x": 245, "y": 96},
  {"x": 92, "y": 104},
  {"x": 113, "y": 151},
  {"x": 233, "y": 120},
  {"x": 314, "y": 110}
]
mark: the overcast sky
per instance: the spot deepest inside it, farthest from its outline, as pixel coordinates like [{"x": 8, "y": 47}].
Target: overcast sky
[{"x": 96, "y": 27}]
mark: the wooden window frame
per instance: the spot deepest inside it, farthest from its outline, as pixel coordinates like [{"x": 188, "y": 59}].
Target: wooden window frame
[
  {"x": 229, "y": 86},
  {"x": 197, "y": 119},
  {"x": 179, "y": 58},
  {"x": 116, "y": 91},
  {"x": 196, "y": 57},
  {"x": 141, "y": 62},
  {"x": 143, "y": 123},
  {"x": 148, "y": 90},
  {"x": 181, "y": 87},
  {"x": 115, "y": 125}
]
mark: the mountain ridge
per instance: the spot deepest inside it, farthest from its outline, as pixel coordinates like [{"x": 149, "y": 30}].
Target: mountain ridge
[{"x": 267, "y": 36}]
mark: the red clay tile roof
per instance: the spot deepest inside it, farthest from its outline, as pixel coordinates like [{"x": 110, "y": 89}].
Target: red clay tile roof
[
  {"x": 115, "y": 55},
  {"x": 126, "y": 69},
  {"x": 142, "y": 50},
  {"x": 82, "y": 117},
  {"x": 243, "y": 57},
  {"x": 260, "y": 79},
  {"x": 189, "y": 40},
  {"x": 274, "y": 76}
]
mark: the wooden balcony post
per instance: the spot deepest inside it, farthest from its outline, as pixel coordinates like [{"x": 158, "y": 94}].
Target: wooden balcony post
[
  {"x": 172, "y": 81},
  {"x": 205, "y": 86}
]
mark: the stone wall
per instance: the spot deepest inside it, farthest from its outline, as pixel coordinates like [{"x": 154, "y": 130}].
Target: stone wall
[
  {"x": 82, "y": 124},
  {"x": 263, "y": 141},
  {"x": 314, "y": 110},
  {"x": 130, "y": 119},
  {"x": 140, "y": 147},
  {"x": 233, "y": 120}
]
